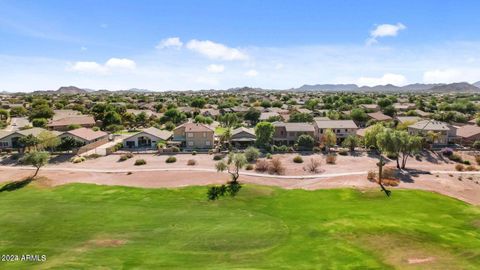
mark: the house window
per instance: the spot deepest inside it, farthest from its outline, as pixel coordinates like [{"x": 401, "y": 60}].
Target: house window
[
  {"x": 4, "y": 144},
  {"x": 190, "y": 135},
  {"x": 207, "y": 143},
  {"x": 346, "y": 130},
  {"x": 321, "y": 131},
  {"x": 190, "y": 143}
]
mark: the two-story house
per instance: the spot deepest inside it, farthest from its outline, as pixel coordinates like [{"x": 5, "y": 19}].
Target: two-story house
[
  {"x": 341, "y": 128},
  {"x": 288, "y": 133},
  {"x": 440, "y": 132},
  {"x": 195, "y": 136}
]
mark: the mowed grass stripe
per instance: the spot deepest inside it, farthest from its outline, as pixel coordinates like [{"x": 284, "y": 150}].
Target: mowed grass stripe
[{"x": 85, "y": 226}]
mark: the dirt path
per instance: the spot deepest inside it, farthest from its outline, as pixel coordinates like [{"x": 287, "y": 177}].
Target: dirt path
[{"x": 461, "y": 185}]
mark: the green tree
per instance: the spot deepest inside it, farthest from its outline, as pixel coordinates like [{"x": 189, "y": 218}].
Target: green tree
[
  {"x": 36, "y": 159},
  {"x": 4, "y": 114},
  {"x": 41, "y": 111},
  {"x": 229, "y": 120},
  {"x": 29, "y": 142},
  {"x": 234, "y": 163},
  {"x": 18, "y": 111},
  {"x": 350, "y": 142},
  {"x": 298, "y": 117},
  {"x": 112, "y": 118},
  {"x": 264, "y": 133},
  {"x": 329, "y": 139},
  {"x": 312, "y": 103},
  {"x": 359, "y": 115},
  {"x": 305, "y": 142},
  {"x": 252, "y": 115},
  {"x": 48, "y": 140},
  {"x": 39, "y": 122},
  {"x": 198, "y": 102},
  {"x": 389, "y": 110}
]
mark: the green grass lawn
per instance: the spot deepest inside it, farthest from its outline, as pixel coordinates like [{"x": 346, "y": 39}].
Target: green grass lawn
[
  {"x": 220, "y": 130},
  {"x": 81, "y": 226}
]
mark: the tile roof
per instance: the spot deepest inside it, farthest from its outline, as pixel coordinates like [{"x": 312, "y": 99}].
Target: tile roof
[
  {"x": 73, "y": 120},
  {"x": 379, "y": 116},
  {"x": 336, "y": 124},
  {"x": 431, "y": 125},
  {"x": 468, "y": 131},
  {"x": 87, "y": 134}
]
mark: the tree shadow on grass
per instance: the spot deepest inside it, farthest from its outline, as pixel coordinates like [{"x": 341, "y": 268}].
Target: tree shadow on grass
[{"x": 16, "y": 185}]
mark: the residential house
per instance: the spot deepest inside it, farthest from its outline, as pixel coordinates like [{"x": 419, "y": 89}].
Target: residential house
[
  {"x": 63, "y": 124},
  {"x": 341, "y": 128},
  {"x": 85, "y": 135},
  {"x": 147, "y": 138},
  {"x": 264, "y": 116},
  {"x": 404, "y": 106},
  {"x": 468, "y": 134},
  {"x": 379, "y": 116},
  {"x": 288, "y": 133},
  {"x": 446, "y": 133},
  {"x": 195, "y": 136},
  {"x": 242, "y": 137},
  {"x": 370, "y": 107},
  {"x": 10, "y": 139},
  {"x": 408, "y": 119}
]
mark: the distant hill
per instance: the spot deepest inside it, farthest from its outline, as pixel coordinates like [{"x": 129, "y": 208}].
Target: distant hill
[
  {"x": 477, "y": 84},
  {"x": 435, "y": 87},
  {"x": 455, "y": 87},
  {"x": 327, "y": 87},
  {"x": 71, "y": 90}
]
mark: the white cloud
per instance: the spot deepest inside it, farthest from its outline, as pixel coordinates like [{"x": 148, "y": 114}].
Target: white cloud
[
  {"x": 251, "y": 73},
  {"x": 122, "y": 63},
  {"x": 388, "y": 78},
  {"x": 110, "y": 65},
  {"x": 278, "y": 66},
  {"x": 215, "y": 68},
  {"x": 89, "y": 67},
  {"x": 214, "y": 50},
  {"x": 451, "y": 75},
  {"x": 385, "y": 30},
  {"x": 171, "y": 42}
]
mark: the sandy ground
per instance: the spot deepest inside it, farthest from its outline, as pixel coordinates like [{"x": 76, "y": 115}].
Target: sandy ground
[{"x": 105, "y": 171}]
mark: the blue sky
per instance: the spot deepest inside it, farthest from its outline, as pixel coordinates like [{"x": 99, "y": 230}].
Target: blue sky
[{"x": 163, "y": 45}]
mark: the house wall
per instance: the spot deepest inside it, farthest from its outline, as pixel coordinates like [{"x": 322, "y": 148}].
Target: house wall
[
  {"x": 444, "y": 136},
  {"x": 6, "y": 142},
  {"x": 341, "y": 133},
  {"x": 201, "y": 140},
  {"x": 135, "y": 137}
]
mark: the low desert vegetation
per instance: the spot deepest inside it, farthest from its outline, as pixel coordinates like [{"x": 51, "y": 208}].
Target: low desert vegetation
[
  {"x": 126, "y": 156},
  {"x": 191, "y": 162},
  {"x": 261, "y": 165},
  {"x": 313, "y": 165},
  {"x": 171, "y": 159},
  {"x": 217, "y": 157},
  {"x": 252, "y": 154},
  {"x": 331, "y": 159},
  {"x": 460, "y": 167},
  {"x": 140, "y": 162},
  {"x": 275, "y": 166},
  {"x": 77, "y": 159},
  {"x": 298, "y": 159}
]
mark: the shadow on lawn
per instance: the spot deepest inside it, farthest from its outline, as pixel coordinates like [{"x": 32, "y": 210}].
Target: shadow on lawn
[{"x": 16, "y": 185}]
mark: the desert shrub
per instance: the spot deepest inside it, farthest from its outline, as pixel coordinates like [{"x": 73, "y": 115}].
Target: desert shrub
[
  {"x": 268, "y": 156},
  {"x": 459, "y": 167},
  {"x": 298, "y": 159},
  {"x": 210, "y": 151},
  {"x": 171, "y": 159},
  {"x": 261, "y": 165},
  {"x": 252, "y": 154},
  {"x": 371, "y": 176},
  {"x": 313, "y": 166},
  {"x": 470, "y": 168},
  {"x": 77, "y": 159},
  {"x": 476, "y": 145},
  {"x": 392, "y": 156},
  {"x": 455, "y": 157},
  {"x": 275, "y": 166},
  {"x": 175, "y": 149},
  {"x": 447, "y": 152},
  {"x": 316, "y": 149},
  {"x": 331, "y": 159},
  {"x": 125, "y": 156},
  {"x": 191, "y": 162},
  {"x": 466, "y": 162},
  {"x": 389, "y": 172},
  {"x": 140, "y": 162},
  {"x": 217, "y": 157},
  {"x": 281, "y": 148},
  {"x": 343, "y": 152},
  {"x": 249, "y": 167},
  {"x": 477, "y": 159},
  {"x": 390, "y": 182},
  {"x": 93, "y": 156},
  {"x": 194, "y": 153}
]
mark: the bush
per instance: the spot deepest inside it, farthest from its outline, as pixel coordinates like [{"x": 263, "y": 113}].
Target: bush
[
  {"x": 217, "y": 157},
  {"x": 276, "y": 166},
  {"x": 313, "y": 166},
  {"x": 125, "y": 156},
  {"x": 455, "y": 157},
  {"x": 477, "y": 159},
  {"x": 317, "y": 149},
  {"x": 191, "y": 162},
  {"x": 331, "y": 159},
  {"x": 194, "y": 153},
  {"x": 459, "y": 167},
  {"x": 470, "y": 168},
  {"x": 343, "y": 152},
  {"x": 171, "y": 159},
  {"x": 392, "y": 156},
  {"x": 140, "y": 162},
  {"x": 466, "y": 162},
  {"x": 447, "y": 152},
  {"x": 249, "y": 167},
  {"x": 261, "y": 165},
  {"x": 371, "y": 176},
  {"x": 298, "y": 159},
  {"x": 476, "y": 145},
  {"x": 390, "y": 182},
  {"x": 268, "y": 156},
  {"x": 77, "y": 159},
  {"x": 305, "y": 142},
  {"x": 252, "y": 154},
  {"x": 389, "y": 172},
  {"x": 175, "y": 149}
]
